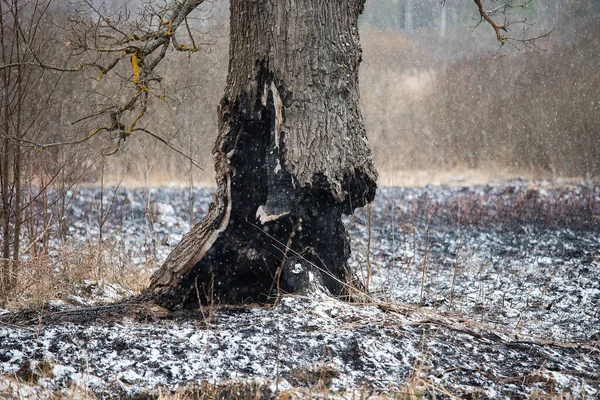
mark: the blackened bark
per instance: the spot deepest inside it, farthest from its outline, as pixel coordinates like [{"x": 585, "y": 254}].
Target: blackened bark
[{"x": 291, "y": 157}]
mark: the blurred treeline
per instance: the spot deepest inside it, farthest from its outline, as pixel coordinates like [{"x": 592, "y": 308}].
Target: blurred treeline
[
  {"x": 417, "y": 15},
  {"x": 441, "y": 97},
  {"x": 436, "y": 94}
]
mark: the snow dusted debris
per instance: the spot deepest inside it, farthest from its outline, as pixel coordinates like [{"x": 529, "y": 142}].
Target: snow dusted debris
[
  {"x": 509, "y": 305},
  {"x": 12, "y": 388},
  {"x": 297, "y": 343},
  {"x": 97, "y": 292},
  {"x": 521, "y": 258}
]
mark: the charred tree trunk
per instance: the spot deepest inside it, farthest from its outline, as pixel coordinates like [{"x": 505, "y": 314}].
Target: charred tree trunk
[{"x": 291, "y": 157}]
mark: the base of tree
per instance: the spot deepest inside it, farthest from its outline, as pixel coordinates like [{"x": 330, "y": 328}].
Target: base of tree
[{"x": 265, "y": 234}]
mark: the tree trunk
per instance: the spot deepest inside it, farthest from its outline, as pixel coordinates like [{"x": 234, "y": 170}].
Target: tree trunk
[
  {"x": 5, "y": 161},
  {"x": 443, "y": 20},
  {"x": 291, "y": 157},
  {"x": 408, "y": 15},
  {"x": 17, "y": 155}
]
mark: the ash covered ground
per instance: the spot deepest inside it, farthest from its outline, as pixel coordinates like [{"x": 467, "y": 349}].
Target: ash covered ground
[{"x": 488, "y": 291}]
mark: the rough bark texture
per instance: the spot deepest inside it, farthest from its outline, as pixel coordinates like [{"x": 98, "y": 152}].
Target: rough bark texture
[{"x": 291, "y": 157}]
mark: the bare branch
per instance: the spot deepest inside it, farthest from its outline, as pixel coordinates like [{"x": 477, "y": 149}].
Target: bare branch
[
  {"x": 39, "y": 65},
  {"x": 44, "y": 146},
  {"x": 169, "y": 145},
  {"x": 485, "y": 16},
  {"x": 143, "y": 43},
  {"x": 500, "y": 29}
]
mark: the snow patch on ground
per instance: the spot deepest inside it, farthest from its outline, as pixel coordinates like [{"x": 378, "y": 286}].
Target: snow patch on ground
[
  {"x": 508, "y": 306},
  {"x": 291, "y": 344}
]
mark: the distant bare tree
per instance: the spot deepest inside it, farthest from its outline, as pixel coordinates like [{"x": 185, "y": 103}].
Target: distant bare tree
[
  {"x": 33, "y": 96},
  {"x": 22, "y": 43},
  {"x": 504, "y": 11}
]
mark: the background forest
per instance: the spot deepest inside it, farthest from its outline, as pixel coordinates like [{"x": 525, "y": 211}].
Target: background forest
[{"x": 437, "y": 94}]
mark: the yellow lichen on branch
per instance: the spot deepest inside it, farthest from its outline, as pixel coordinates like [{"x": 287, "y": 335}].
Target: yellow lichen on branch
[
  {"x": 190, "y": 50},
  {"x": 170, "y": 23},
  {"x": 135, "y": 120},
  {"x": 92, "y": 133},
  {"x": 136, "y": 68}
]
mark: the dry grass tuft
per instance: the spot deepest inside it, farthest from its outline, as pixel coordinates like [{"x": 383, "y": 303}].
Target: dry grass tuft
[
  {"x": 79, "y": 274},
  {"x": 223, "y": 390},
  {"x": 317, "y": 377}
]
